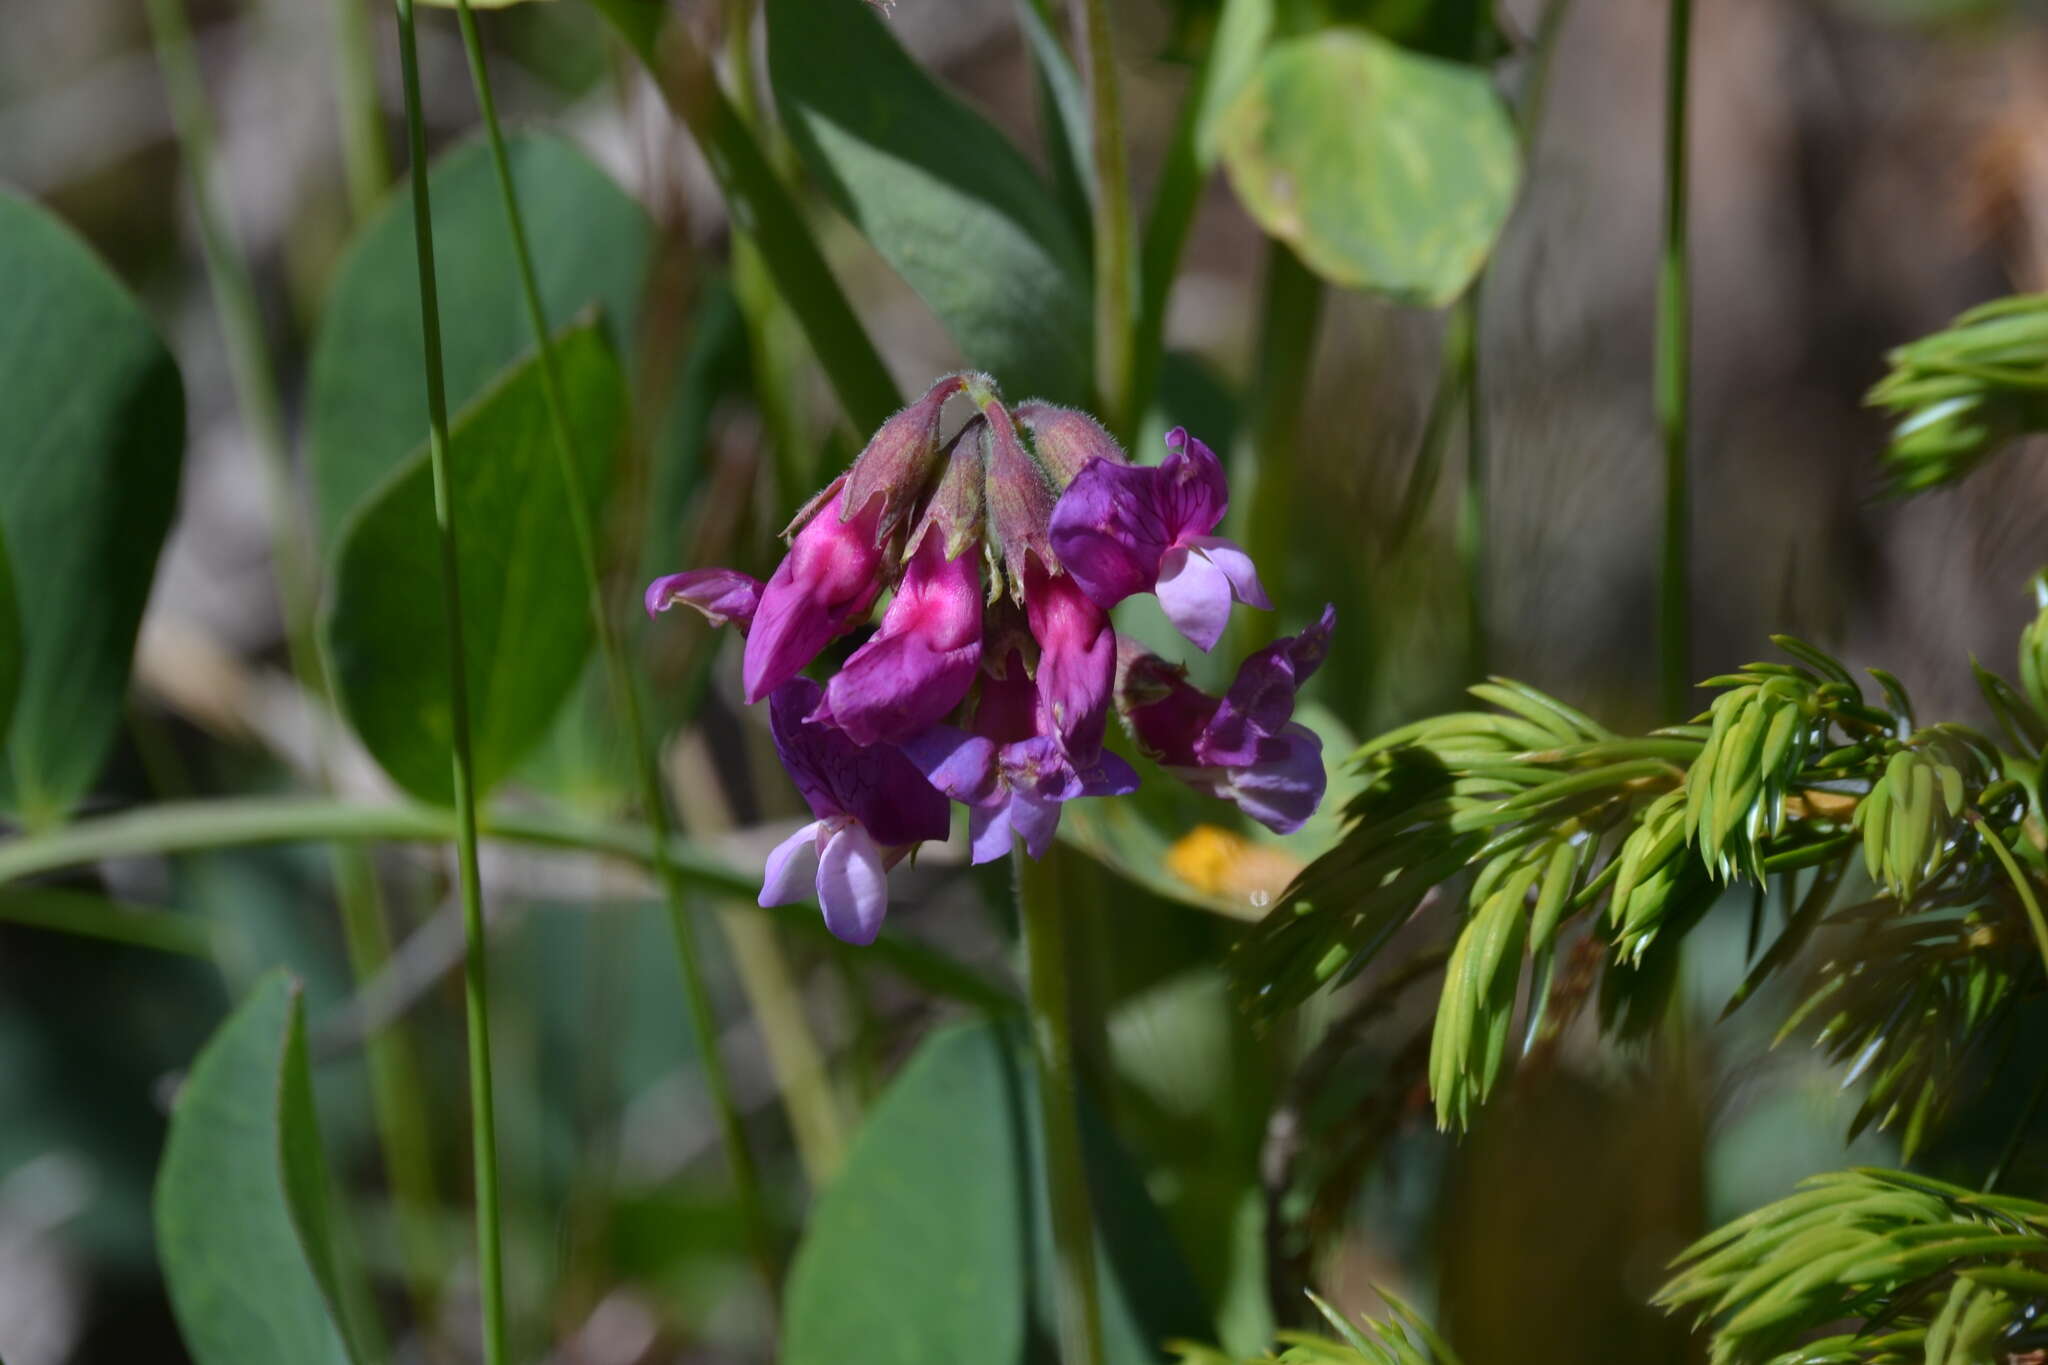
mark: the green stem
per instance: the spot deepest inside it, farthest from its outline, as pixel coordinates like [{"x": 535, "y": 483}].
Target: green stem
[
  {"x": 1454, "y": 370},
  {"x": 81, "y": 912},
  {"x": 704, "y": 1026},
  {"x": 1674, "y": 379},
  {"x": 1264, "y": 475},
  {"x": 1241, "y": 32},
  {"x": 400, "y": 1110},
  {"x": 771, "y": 349},
  {"x": 476, "y": 996},
  {"x": 365, "y": 158},
  {"x": 1042, "y": 921},
  {"x": 755, "y": 196},
  {"x": 1473, "y": 502},
  {"x": 175, "y": 827},
  {"x": 1114, "y": 260}
]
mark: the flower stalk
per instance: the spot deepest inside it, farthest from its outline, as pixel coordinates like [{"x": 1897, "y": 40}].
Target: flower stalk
[
  {"x": 1115, "y": 261},
  {"x": 476, "y": 991},
  {"x": 1674, "y": 383},
  {"x": 1042, "y": 920}
]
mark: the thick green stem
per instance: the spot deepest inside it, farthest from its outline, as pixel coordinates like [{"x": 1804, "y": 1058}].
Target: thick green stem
[
  {"x": 1114, "y": 260},
  {"x": 394, "y": 1077},
  {"x": 365, "y": 158},
  {"x": 1674, "y": 383},
  {"x": 476, "y": 995},
  {"x": 625, "y": 695},
  {"x": 1042, "y": 920}
]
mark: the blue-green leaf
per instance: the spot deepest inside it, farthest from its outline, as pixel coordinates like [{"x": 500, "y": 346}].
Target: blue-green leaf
[
  {"x": 950, "y": 203},
  {"x": 933, "y": 1245},
  {"x": 1384, "y": 169},
  {"x": 242, "y": 1196},
  {"x": 367, "y": 410},
  {"x": 525, "y": 609},
  {"x": 92, "y": 435}
]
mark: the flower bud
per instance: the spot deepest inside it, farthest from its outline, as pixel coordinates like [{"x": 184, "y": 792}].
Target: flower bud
[
  {"x": 956, "y": 508},
  {"x": 1020, "y": 502},
  {"x": 899, "y": 460},
  {"x": 1066, "y": 439}
]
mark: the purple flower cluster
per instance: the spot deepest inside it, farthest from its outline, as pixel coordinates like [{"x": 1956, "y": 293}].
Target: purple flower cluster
[{"x": 999, "y": 697}]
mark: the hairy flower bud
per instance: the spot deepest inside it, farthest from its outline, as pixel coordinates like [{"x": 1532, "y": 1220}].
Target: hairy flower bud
[
  {"x": 956, "y": 510},
  {"x": 899, "y": 461},
  {"x": 1020, "y": 502},
  {"x": 1066, "y": 439}
]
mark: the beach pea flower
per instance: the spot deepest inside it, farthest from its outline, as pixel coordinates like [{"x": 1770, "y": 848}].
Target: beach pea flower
[
  {"x": 872, "y": 807},
  {"x": 1123, "y": 529},
  {"x": 1012, "y": 783},
  {"x": 1243, "y": 747}
]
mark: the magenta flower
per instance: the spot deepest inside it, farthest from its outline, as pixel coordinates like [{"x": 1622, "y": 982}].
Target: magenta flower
[
  {"x": 872, "y": 806},
  {"x": 1123, "y": 529},
  {"x": 996, "y": 692},
  {"x": 823, "y": 587},
  {"x": 1012, "y": 783},
  {"x": 1243, "y": 747},
  {"x": 1076, "y": 660},
  {"x": 919, "y": 665},
  {"x": 723, "y": 595}
]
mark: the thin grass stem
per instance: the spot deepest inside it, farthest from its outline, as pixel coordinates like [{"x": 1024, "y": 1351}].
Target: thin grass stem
[
  {"x": 476, "y": 992},
  {"x": 1674, "y": 385},
  {"x": 365, "y": 157},
  {"x": 1115, "y": 261}
]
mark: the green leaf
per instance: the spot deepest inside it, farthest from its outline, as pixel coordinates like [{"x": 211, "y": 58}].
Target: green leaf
[
  {"x": 950, "y": 203},
  {"x": 1382, "y": 168},
  {"x": 933, "y": 1243},
  {"x": 241, "y": 1196},
  {"x": 367, "y": 408},
  {"x": 95, "y": 417},
  {"x": 525, "y": 613}
]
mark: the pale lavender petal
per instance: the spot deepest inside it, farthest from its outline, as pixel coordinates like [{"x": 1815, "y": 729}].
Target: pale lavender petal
[
  {"x": 1195, "y": 595},
  {"x": 1034, "y": 822},
  {"x": 1237, "y": 566},
  {"x": 853, "y": 886},
  {"x": 988, "y": 831},
  {"x": 792, "y": 867},
  {"x": 721, "y": 594},
  {"x": 961, "y": 765},
  {"x": 1282, "y": 790}
]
